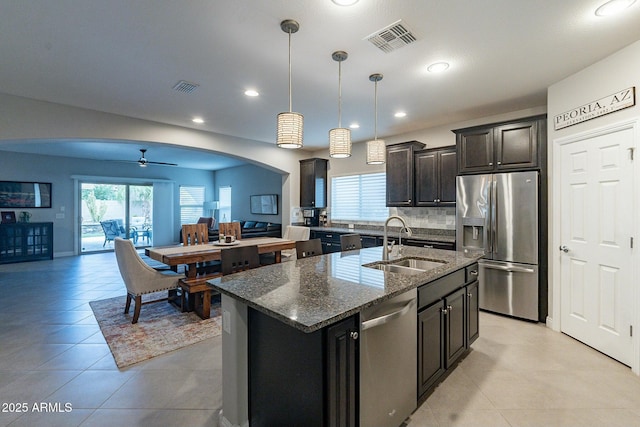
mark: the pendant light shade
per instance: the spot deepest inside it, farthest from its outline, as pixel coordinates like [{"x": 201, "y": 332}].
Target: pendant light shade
[
  {"x": 376, "y": 148},
  {"x": 290, "y": 125},
  {"x": 340, "y": 138}
]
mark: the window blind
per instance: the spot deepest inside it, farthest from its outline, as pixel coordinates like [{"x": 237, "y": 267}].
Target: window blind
[
  {"x": 359, "y": 197},
  {"x": 191, "y": 204}
]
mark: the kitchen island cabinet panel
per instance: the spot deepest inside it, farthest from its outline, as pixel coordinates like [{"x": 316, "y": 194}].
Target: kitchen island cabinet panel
[
  {"x": 430, "y": 355},
  {"x": 286, "y": 380},
  {"x": 454, "y": 310}
]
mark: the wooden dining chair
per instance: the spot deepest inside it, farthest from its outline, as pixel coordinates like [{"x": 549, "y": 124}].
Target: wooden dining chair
[
  {"x": 238, "y": 259},
  {"x": 195, "y": 234},
  {"x": 198, "y": 234},
  {"x": 230, "y": 229},
  {"x": 349, "y": 242},
  {"x": 308, "y": 248}
]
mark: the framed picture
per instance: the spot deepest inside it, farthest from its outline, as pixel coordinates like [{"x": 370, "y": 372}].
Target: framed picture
[
  {"x": 15, "y": 194},
  {"x": 264, "y": 204},
  {"x": 8, "y": 217}
]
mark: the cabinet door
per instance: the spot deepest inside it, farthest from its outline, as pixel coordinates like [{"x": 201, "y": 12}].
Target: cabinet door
[
  {"x": 313, "y": 183},
  {"x": 430, "y": 349},
  {"x": 475, "y": 150},
  {"x": 455, "y": 335},
  {"x": 473, "y": 330},
  {"x": 426, "y": 170},
  {"x": 342, "y": 351},
  {"x": 517, "y": 145},
  {"x": 399, "y": 167},
  {"x": 447, "y": 172}
]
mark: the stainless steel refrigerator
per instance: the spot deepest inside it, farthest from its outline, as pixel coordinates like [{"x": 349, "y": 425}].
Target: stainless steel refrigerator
[{"x": 498, "y": 213}]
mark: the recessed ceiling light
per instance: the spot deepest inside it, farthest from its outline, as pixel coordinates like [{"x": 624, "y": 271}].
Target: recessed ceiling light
[
  {"x": 354, "y": 126},
  {"x": 613, "y": 7},
  {"x": 251, "y": 92},
  {"x": 345, "y": 2},
  {"x": 198, "y": 120},
  {"x": 437, "y": 67},
  {"x": 400, "y": 114}
]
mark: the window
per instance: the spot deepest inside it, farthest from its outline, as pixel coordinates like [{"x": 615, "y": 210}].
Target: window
[
  {"x": 191, "y": 204},
  {"x": 359, "y": 197},
  {"x": 225, "y": 204}
]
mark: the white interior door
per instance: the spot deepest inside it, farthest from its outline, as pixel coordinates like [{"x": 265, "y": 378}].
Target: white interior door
[{"x": 596, "y": 271}]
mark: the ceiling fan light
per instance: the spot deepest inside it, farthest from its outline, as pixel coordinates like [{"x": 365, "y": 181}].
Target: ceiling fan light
[
  {"x": 376, "y": 152},
  {"x": 290, "y": 130},
  {"x": 340, "y": 143}
]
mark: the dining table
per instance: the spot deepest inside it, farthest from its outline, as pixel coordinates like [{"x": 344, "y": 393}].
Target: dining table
[{"x": 191, "y": 255}]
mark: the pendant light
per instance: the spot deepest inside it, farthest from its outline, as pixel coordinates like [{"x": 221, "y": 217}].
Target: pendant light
[
  {"x": 376, "y": 149},
  {"x": 290, "y": 124},
  {"x": 340, "y": 138}
]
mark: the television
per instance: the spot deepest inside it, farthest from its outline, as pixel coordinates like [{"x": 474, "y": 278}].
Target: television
[
  {"x": 264, "y": 204},
  {"x": 14, "y": 194}
]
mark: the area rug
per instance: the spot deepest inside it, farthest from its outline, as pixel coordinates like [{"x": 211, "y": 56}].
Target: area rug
[{"x": 161, "y": 328}]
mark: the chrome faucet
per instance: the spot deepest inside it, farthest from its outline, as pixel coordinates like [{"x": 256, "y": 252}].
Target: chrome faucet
[{"x": 386, "y": 250}]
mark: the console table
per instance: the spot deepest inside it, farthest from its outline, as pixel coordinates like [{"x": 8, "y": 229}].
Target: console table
[{"x": 26, "y": 241}]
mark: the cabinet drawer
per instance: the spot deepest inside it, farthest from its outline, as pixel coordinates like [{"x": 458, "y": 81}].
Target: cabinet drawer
[
  {"x": 471, "y": 273},
  {"x": 431, "y": 292},
  {"x": 430, "y": 244}
]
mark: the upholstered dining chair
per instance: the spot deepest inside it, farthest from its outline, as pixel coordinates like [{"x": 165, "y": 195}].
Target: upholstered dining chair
[
  {"x": 239, "y": 259},
  {"x": 308, "y": 248},
  {"x": 139, "y": 278},
  {"x": 230, "y": 229},
  {"x": 349, "y": 242}
]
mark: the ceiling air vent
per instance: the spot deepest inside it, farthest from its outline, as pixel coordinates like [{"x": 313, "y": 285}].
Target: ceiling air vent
[
  {"x": 185, "y": 87},
  {"x": 392, "y": 37}
]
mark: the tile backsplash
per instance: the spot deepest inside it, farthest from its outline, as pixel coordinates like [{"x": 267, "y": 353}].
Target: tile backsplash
[{"x": 422, "y": 217}]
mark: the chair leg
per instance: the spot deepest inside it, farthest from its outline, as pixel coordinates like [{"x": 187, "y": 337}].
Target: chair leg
[
  {"x": 128, "y": 304},
  {"x": 136, "y": 309}
]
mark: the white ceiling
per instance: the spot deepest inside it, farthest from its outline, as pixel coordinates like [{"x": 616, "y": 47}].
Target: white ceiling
[{"x": 124, "y": 57}]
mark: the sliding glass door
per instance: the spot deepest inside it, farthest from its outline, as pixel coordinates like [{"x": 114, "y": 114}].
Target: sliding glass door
[{"x": 115, "y": 210}]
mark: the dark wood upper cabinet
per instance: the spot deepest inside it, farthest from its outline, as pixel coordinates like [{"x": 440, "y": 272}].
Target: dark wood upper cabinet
[
  {"x": 435, "y": 177},
  {"x": 475, "y": 150},
  {"x": 313, "y": 183},
  {"x": 502, "y": 146},
  {"x": 400, "y": 176},
  {"x": 517, "y": 145}
]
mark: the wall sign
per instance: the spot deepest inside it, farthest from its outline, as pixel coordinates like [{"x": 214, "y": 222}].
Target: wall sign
[{"x": 618, "y": 101}]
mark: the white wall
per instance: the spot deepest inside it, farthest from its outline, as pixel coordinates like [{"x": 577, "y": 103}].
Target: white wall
[{"x": 614, "y": 73}]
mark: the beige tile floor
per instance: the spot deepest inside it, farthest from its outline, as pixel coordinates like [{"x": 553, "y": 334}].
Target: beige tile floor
[{"x": 52, "y": 352}]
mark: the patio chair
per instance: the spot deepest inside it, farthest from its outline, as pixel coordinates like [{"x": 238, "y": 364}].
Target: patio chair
[
  {"x": 112, "y": 229},
  {"x": 139, "y": 278}
]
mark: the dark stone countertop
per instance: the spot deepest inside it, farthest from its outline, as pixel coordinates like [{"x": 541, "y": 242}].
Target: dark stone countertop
[
  {"x": 418, "y": 234},
  {"x": 315, "y": 292}
]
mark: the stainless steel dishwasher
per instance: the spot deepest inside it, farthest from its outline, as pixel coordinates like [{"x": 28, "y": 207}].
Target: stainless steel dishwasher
[{"x": 388, "y": 361}]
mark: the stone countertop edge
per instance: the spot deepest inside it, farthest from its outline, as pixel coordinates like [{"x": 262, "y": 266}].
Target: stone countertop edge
[
  {"x": 309, "y": 295},
  {"x": 392, "y": 235}
]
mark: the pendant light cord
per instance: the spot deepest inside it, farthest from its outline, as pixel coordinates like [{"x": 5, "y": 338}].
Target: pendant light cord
[
  {"x": 290, "y": 97},
  {"x": 339, "y": 94},
  {"x": 375, "y": 103}
]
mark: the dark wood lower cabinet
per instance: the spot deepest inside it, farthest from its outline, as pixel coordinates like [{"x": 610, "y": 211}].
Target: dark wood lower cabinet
[
  {"x": 430, "y": 355},
  {"x": 447, "y": 324},
  {"x": 302, "y": 379}
]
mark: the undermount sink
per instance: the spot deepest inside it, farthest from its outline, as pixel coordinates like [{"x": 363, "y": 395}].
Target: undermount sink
[{"x": 407, "y": 265}]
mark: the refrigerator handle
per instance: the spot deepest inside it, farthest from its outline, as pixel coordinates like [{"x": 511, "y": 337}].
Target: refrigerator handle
[{"x": 494, "y": 216}]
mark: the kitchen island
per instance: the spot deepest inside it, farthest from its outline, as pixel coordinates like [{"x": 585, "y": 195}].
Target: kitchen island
[{"x": 290, "y": 332}]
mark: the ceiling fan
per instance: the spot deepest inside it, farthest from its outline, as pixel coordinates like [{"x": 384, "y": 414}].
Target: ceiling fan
[{"x": 143, "y": 162}]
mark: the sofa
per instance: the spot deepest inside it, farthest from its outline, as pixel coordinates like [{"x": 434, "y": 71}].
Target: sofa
[{"x": 253, "y": 229}]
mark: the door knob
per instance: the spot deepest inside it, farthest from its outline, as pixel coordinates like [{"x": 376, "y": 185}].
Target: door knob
[{"x": 564, "y": 249}]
